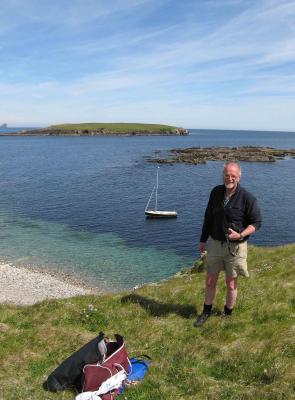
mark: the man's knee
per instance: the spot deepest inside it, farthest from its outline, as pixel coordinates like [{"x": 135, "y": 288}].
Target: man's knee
[
  {"x": 231, "y": 283},
  {"x": 211, "y": 280}
]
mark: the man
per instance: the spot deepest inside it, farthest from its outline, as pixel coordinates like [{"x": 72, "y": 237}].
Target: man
[{"x": 231, "y": 216}]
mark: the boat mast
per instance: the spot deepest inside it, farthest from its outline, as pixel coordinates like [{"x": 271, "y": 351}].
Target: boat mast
[
  {"x": 157, "y": 185},
  {"x": 150, "y": 198}
]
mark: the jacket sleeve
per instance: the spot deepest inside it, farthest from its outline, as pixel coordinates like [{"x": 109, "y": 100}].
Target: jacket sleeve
[
  {"x": 254, "y": 214},
  {"x": 208, "y": 219}
]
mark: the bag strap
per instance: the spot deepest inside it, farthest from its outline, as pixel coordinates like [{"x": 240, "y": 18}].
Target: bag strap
[{"x": 140, "y": 356}]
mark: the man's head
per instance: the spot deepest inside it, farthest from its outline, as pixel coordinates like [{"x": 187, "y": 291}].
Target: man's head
[{"x": 231, "y": 175}]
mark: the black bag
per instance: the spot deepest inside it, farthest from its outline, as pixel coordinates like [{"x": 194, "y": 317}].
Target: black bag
[{"x": 68, "y": 375}]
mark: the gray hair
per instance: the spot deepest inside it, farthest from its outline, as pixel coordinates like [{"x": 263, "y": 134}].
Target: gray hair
[{"x": 233, "y": 163}]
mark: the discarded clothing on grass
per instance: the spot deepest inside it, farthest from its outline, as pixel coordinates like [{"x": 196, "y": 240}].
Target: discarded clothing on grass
[
  {"x": 90, "y": 366},
  {"x": 101, "y": 369},
  {"x": 68, "y": 375}
]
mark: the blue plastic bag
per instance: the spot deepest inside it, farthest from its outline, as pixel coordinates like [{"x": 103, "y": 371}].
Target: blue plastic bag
[
  {"x": 136, "y": 371},
  {"x": 139, "y": 369}
]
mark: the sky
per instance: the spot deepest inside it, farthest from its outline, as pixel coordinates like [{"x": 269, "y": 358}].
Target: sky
[{"x": 203, "y": 64}]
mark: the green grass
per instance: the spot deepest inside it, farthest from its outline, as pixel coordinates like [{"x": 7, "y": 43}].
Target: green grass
[
  {"x": 118, "y": 127},
  {"x": 250, "y": 356}
]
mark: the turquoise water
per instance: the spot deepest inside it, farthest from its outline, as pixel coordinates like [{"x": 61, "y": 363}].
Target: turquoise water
[
  {"x": 76, "y": 205},
  {"x": 105, "y": 260}
]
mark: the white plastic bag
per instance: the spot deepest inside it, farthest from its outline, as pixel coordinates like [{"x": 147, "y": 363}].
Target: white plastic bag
[{"x": 114, "y": 382}]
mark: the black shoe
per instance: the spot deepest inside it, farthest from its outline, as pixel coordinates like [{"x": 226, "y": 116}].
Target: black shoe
[{"x": 202, "y": 318}]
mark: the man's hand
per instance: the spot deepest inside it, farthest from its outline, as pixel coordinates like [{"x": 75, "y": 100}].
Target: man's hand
[
  {"x": 233, "y": 235},
  {"x": 202, "y": 247}
]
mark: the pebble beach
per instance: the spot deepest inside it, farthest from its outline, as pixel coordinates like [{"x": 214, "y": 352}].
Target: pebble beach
[{"x": 26, "y": 286}]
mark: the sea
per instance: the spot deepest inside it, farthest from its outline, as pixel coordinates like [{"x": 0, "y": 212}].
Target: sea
[{"x": 75, "y": 205}]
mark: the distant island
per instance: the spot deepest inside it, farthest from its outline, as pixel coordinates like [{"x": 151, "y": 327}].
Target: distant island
[
  {"x": 3, "y": 125},
  {"x": 200, "y": 155},
  {"x": 106, "y": 129}
]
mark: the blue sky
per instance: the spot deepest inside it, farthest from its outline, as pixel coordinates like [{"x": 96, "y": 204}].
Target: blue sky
[{"x": 227, "y": 64}]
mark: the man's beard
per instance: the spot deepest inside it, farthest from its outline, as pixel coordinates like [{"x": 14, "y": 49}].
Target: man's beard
[{"x": 230, "y": 185}]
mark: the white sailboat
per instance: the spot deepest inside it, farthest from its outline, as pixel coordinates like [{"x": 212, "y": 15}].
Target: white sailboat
[{"x": 150, "y": 213}]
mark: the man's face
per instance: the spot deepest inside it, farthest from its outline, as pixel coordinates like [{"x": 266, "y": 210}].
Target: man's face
[{"x": 231, "y": 176}]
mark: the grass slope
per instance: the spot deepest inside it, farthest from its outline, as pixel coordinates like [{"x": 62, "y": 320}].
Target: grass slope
[
  {"x": 117, "y": 127},
  {"x": 250, "y": 356}
]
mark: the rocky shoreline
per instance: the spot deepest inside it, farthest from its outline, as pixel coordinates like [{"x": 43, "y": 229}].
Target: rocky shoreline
[
  {"x": 27, "y": 286},
  {"x": 99, "y": 132},
  {"x": 200, "y": 155}
]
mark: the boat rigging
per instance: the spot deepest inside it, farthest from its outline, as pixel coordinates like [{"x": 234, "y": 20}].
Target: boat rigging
[{"x": 155, "y": 213}]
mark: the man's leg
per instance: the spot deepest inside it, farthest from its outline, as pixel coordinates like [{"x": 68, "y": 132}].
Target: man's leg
[
  {"x": 234, "y": 267},
  {"x": 231, "y": 295},
  {"x": 210, "y": 290}
]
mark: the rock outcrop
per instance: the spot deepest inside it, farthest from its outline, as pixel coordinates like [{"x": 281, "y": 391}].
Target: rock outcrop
[{"x": 200, "y": 155}]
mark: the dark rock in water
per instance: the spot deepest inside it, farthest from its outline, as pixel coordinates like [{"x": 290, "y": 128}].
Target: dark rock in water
[
  {"x": 182, "y": 131},
  {"x": 199, "y": 155}
]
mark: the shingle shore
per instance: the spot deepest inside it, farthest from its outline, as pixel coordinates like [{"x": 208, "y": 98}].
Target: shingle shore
[{"x": 24, "y": 286}]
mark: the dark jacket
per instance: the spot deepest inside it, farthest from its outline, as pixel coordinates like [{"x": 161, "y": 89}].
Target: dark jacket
[
  {"x": 241, "y": 210},
  {"x": 68, "y": 375}
]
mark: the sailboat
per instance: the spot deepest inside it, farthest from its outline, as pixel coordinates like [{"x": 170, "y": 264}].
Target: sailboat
[{"x": 149, "y": 213}]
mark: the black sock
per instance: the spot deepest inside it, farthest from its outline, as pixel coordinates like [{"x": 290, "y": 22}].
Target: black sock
[
  {"x": 207, "y": 308},
  {"x": 227, "y": 311}
]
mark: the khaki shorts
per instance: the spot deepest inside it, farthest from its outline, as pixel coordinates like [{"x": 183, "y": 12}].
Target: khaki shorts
[{"x": 219, "y": 258}]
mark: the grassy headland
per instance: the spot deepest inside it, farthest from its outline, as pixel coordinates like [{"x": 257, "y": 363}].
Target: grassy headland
[
  {"x": 100, "y": 129},
  {"x": 249, "y": 356}
]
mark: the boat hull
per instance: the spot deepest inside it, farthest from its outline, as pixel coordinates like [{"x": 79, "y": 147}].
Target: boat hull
[{"x": 160, "y": 214}]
